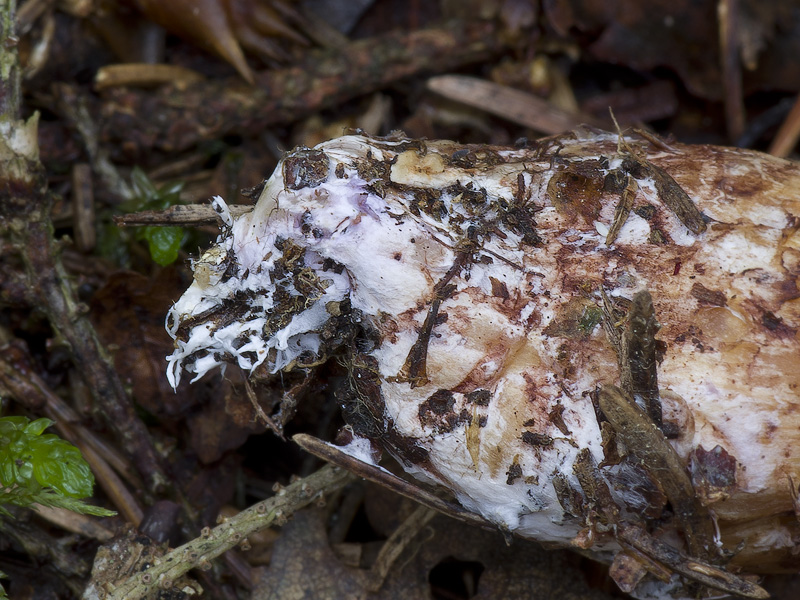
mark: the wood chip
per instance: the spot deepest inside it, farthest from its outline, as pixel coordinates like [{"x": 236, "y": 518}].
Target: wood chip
[{"x": 144, "y": 75}]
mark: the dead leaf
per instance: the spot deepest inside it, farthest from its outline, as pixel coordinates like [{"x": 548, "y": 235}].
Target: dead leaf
[
  {"x": 304, "y": 566},
  {"x": 226, "y": 420},
  {"x": 683, "y": 35},
  {"x": 128, "y": 313}
]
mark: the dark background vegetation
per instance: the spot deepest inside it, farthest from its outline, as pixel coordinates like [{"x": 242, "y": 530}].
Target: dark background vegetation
[{"x": 248, "y": 80}]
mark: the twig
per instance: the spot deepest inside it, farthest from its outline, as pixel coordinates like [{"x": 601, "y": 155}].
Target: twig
[
  {"x": 9, "y": 76},
  {"x": 174, "y": 120},
  {"x": 50, "y": 281},
  {"x": 334, "y": 455},
  {"x": 83, "y": 207},
  {"x": 719, "y": 579},
  {"x": 213, "y": 542},
  {"x": 788, "y": 134},
  {"x": 73, "y": 105},
  {"x": 728, "y": 15},
  {"x": 397, "y": 542},
  {"x": 182, "y": 215},
  {"x": 260, "y": 414}
]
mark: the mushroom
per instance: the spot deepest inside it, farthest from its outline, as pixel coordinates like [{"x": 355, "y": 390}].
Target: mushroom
[{"x": 590, "y": 341}]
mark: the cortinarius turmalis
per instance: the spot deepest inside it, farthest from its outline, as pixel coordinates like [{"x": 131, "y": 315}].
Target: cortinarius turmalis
[{"x": 591, "y": 340}]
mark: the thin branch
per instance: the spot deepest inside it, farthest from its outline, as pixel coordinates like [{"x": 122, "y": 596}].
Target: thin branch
[
  {"x": 181, "y": 215},
  {"x": 396, "y": 544},
  {"x": 50, "y": 281},
  {"x": 174, "y": 119},
  {"x": 9, "y": 69},
  {"x": 376, "y": 474},
  {"x": 234, "y": 531},
  {"x": 729, "y": 48},
  {"x": 788, "y": 134}
]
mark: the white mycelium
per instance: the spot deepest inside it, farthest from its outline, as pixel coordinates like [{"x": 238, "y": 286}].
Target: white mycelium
[{"x": 478, "y": 274}]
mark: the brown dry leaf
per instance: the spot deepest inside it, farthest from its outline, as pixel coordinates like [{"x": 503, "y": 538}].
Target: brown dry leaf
[
  {"x": 128, "y": 313},
  {"x": 304, "y": 566},
  {"x": 683, "y": 35},
  {"x": 227, "y": 26},
  {"x": 204, "y": 22},
  {"x": 226, "y": 421}
]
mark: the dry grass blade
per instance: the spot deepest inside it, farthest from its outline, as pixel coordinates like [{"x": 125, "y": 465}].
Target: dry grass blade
[
  {"x": 788, "y": 134},
  {"x": 516, "y": 106},
  {"x": 75, "y": 522}
]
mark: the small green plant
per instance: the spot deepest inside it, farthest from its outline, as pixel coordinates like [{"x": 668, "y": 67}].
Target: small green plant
[
  {"x": 41, "y": 468},
  {"x": 163, "y": 242}
]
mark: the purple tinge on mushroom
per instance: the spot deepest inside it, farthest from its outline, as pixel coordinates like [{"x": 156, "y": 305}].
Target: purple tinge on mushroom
[{"x": 475, "y": 293}]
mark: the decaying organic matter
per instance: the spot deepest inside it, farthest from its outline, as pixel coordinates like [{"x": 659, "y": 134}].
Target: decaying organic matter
[{"x": 590, "y": 340}]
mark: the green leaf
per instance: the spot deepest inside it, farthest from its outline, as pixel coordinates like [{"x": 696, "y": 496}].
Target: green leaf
[
  {"x": 18, "y": 496},
  {"x": 38, "y": 426},
  {"x": 59, "y": 465},
  {"x": 47, "y": 497},
  {"x": 8, "y": 471},
  {"x": 31, "y": 461},
  {"x": 164, "y": 243},
  {"x": 24, "y": 471},
  {"x": 592, "y": 315},
  {"x": 9, "y": 424}
]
